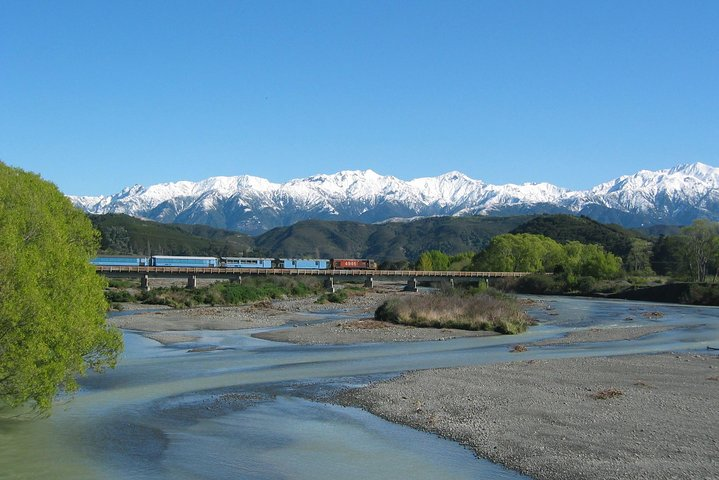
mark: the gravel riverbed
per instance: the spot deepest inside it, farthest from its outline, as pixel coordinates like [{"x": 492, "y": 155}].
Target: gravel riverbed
[{"x": 631, "y": 417}]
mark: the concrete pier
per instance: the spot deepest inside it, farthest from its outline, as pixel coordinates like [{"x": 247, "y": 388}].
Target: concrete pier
[
  {"x": 145, "y": 282},
  {"x": 330, "y": 284},
  {"x": 192, "y": 281},
  {"x": 411, "y": 285},
  {"x": 369, "y": 282}
]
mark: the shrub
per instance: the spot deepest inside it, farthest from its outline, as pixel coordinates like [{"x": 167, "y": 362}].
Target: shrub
[
  {"x": 606, "y": 394},
  {"x": 586, "y": 284},
  {"x": 537, "y": 284},
  {"x": 114, "y": 296},
  {"x": 225, "y": 293},
  {"x": 339, "y": 296},
  {"x": 486, "y": 311}
]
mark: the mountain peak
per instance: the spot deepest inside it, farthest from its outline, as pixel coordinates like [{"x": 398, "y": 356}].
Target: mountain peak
[
  {"x": 254, "y": 204},
  {"x": 697, "y": 169}
]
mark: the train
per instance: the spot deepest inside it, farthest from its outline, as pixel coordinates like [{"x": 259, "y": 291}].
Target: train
[{"x": 235, "y": 262}]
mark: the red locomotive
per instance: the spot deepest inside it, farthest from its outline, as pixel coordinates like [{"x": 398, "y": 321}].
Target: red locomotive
[{"x": 353, "y": 264}]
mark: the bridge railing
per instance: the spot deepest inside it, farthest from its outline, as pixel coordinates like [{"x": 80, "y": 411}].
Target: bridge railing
[{"x": 288, "y": 271}]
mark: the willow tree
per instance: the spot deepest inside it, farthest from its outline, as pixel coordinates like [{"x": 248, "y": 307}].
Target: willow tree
[
  {"x": 52, "y": 307},
  {"x": 703, "y": 247}
]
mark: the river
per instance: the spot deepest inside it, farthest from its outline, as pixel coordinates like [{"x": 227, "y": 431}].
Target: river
[{"x": 254, "y": 409}]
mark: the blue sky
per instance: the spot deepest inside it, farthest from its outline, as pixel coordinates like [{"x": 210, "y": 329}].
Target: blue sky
[{"x": 98, "y": 95}]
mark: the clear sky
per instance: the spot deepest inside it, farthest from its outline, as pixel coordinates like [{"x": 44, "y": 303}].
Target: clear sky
[{"x": 98, "y": 95}]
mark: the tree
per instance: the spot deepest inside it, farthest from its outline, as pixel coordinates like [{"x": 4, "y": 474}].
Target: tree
[
  {"x": 433, "y": 260},
  {"x": 52, "y": 307},
  {"x": 701, "y": 239},
  {"x": 639, "y": 256},
  {"x": 522, "y": 252},
  {"x": 669, "y": 256}
]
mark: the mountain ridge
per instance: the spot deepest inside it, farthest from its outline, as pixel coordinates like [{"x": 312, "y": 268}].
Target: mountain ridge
[{"x": 254, "y": 205}]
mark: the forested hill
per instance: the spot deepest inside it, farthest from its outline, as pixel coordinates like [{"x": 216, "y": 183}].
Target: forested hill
[
  {"x": 565, "y": 228},
  {"x": 391, "y": 242},
  {"x": 122, "y": 234},
  {"x": 396, "y": 242}
]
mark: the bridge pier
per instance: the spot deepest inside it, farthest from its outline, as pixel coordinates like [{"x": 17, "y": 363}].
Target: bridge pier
[
  {"x": 451, "y": 282},
  {"x": 369, "y": 282},
  {"x": 330, "y": 284},
  {"x": 145, "y": 283},
  {"x": 237, "y": 279},
  {"x": 192, "y": 281},
  {"x": 411, "y": 285}
]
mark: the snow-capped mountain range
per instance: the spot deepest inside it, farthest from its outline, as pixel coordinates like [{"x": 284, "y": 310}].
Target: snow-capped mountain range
[{"x": 254, "y": 205}]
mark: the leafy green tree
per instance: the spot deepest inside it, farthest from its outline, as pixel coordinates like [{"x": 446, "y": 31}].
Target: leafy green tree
[
  {"x": 669, "y": 256},
  {"x": 639, "y": 256},
  {"x": 460, "y": 261},
  {"x": 527, "y": 252},
  {"x": 597, "y": 263},
  {"x": 52, "y": 307},
  {"x": 433, "y": 260},
  {"x": 703, "y": 247},
  {"x": 523, "y": 252}
]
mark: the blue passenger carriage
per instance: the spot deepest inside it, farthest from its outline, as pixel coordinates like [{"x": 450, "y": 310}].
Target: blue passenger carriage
[
  {"x": 177, "y": 261},
  {"x": 245, "y": 262},
  {"x": 120, "y": 261},
  {"x": 304, "y": 263}
]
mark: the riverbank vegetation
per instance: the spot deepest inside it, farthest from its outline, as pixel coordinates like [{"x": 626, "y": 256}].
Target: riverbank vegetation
[
  {"x": 341, "y": 295},
  {"x": 221, "y": 293},
  {"x": 52, "y": 310},
  {"x": 617, "y": 262},
  {"x": 487, "y": 310}
]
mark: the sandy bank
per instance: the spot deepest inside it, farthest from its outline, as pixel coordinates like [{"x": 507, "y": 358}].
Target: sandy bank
[
  {"x": 363, "y": 331},
  {"x": 588, "y": 335},
  {"x": 206, "y": 318},
  {"x": 163, "y": 324},
  {"x": 550, "y": 419}
]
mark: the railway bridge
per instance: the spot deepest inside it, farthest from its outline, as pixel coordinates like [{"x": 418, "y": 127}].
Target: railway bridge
[{"x": 412, "y": 277}]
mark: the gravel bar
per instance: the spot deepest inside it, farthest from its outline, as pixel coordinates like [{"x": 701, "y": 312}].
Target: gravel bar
[{"x": 629, "y": 417}]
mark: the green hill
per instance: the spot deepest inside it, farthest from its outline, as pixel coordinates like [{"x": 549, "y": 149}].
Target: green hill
[
  {"x": 387, "y": 242},
  {"x": 566, "y": 228},
  {"x": 122, "y": 234},
  {"x": 394, "y": 242}
]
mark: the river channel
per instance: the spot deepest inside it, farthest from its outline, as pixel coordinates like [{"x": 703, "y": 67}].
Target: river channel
[{"x": 255, "y": 409}]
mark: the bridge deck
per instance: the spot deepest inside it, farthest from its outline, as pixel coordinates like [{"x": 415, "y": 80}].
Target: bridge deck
[{"x": 226, "y": 272}]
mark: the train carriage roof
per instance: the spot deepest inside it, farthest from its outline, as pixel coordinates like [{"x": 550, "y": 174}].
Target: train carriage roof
[{"x": 178, "y": 257}]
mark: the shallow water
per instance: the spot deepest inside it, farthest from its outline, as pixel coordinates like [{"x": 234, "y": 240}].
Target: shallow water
[{"x": 254, "y": 409}]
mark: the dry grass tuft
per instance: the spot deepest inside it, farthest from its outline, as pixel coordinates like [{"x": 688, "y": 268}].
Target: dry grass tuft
[
  {"x": 365, "y": 324},
  {"x": 607, "y": 393},
  {"x": 483, "y": 311}
]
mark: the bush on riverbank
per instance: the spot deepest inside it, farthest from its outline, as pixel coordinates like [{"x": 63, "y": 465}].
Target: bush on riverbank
[
  {"x": 484, "y": 311},
  {"x": 686, "y": 293},
  {"x": 341, "y": 296}
]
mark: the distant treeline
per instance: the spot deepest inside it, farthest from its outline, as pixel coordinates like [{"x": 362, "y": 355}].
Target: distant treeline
[{"x": 560, "y": 244}]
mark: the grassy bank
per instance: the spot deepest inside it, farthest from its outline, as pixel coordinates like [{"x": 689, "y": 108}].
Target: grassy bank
[
  {"x": 686, "y": 293},
  {"x": 489, "y": 311},
  {"x": 221, "y": 293},
  {"x": 649, "y": 289}
]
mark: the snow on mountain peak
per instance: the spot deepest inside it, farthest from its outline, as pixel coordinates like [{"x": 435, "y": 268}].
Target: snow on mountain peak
[
  {"x": 698, "y": 170},
  {"x": 258, "y": 204}
]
